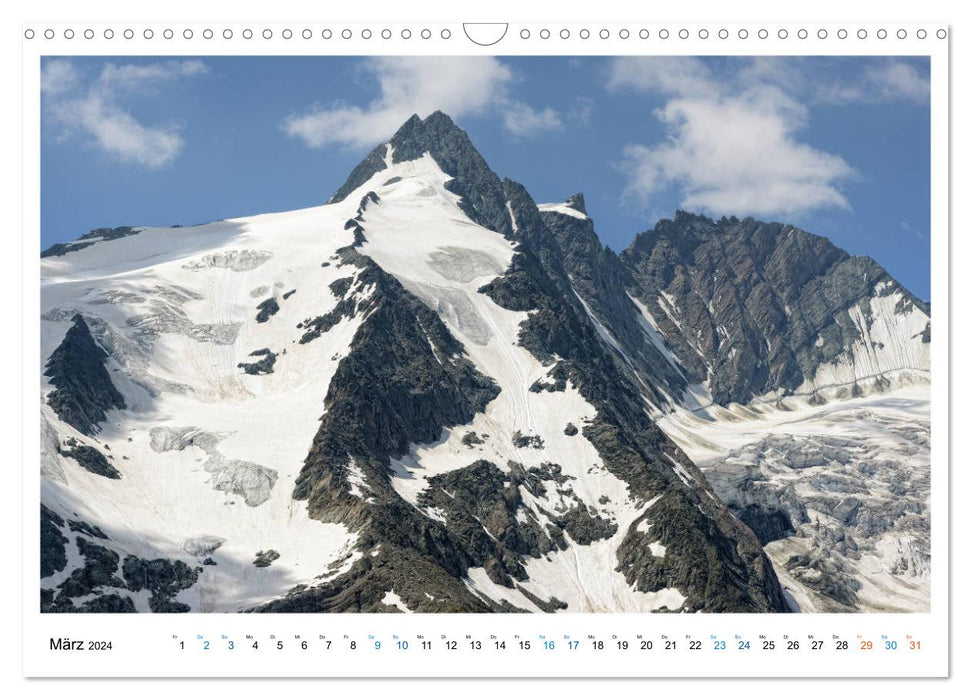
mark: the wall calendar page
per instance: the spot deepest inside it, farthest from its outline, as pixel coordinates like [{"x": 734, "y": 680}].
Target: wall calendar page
[{"x": 543, "y": 349}]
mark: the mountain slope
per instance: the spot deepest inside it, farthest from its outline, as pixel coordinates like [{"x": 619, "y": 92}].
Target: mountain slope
[
  {"x": 753, "y": 309},
  {"x": 431, "y": 395}
]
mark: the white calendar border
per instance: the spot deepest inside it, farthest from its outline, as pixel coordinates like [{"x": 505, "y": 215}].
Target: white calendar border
[{"x": 133, "y": 629}]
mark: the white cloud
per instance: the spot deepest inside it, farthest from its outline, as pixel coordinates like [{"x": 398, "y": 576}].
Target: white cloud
[
  {"x": 916, "y": 232},
  {"x": 730, "y": 156},
  {"x": 130, "y": 77},
  {"x": 459, "y": 86},
  {"x": 889, "y": 80},
  {"x": 522, "y": 120},
  {"x": 669, "y": 75},
  {"x": 732, "y": 143},
  {"x": 94, "y": 112},
  {"x": 57, "y": 77},
  {"x": 582, "y": 113}
]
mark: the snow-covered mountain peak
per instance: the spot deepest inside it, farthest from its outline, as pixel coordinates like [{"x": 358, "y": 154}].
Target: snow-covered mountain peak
[{"x": 430, "y": 391}]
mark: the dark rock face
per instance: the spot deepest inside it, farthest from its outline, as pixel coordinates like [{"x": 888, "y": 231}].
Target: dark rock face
[
  {"x": 164, "y": 578},
  {"x": 602, "y": 279},
  {"x": 86, "y": 529},
  {"x": 534, "y": 441},
  {"x": 480, "y": 188},
  {"x": 755, "y": 297},
  {"x": 266, "y": 308},
  {"x": 577, "y": 202},
  {"x": 83, "y": 389},
  {"x": 262, "y": 366},
  {"x": 481, "y": 516},
  {"x": 471, "y": 439},
  {"x": 340, "y": 287},
  {"x": 100, "y": 565},
  {"x": 767, "y": 524},
  {"x": 92, "y": 460},
  {"x": 53, "y": 555},
  {"x": 555, "y": 380},
  {"x": 87, "y": 240},
  {"x": 481, "y": 504},
  {"x": 348, "y": 305},
  {"x": 265, "y": 558}
]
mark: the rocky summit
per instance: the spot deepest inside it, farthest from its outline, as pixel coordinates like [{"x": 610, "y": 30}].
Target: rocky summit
[{"x": 432, "y": 394}]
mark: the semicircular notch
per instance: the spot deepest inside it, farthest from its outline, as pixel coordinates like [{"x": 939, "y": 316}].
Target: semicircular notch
[{"x": 485, "y": 33}]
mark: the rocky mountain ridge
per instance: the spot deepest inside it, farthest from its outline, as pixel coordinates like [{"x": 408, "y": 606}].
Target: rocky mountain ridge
[{"x": 490, "y": 378}]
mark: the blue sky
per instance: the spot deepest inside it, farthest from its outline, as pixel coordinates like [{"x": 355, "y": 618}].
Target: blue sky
[{"x": 836, "y": 146}]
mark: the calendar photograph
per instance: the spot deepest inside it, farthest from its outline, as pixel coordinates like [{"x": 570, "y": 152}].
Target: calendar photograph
[{"x": 484, "y": 334}]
